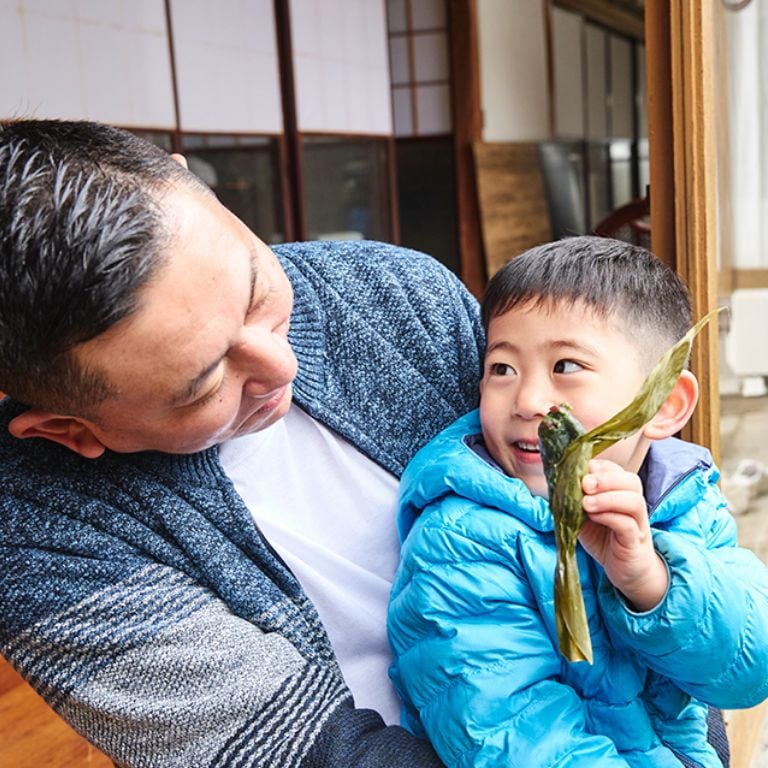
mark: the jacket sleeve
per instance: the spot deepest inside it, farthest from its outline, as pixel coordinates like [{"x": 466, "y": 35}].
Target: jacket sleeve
[
  {"x": 716, "y": 608},
  {"x": 474, "y": 663}
]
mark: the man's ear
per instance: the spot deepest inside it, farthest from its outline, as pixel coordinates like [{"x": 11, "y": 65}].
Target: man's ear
[
  {"x": 676, "y": 410},
  {"x": 180, "y": 159},
  {"x": 69, "y": 431}
]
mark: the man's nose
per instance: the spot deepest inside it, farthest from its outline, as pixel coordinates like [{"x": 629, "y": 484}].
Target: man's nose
[{"x": 265, "y": 360}]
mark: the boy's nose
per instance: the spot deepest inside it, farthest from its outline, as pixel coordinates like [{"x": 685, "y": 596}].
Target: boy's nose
[{"x": 533, "y": 400}]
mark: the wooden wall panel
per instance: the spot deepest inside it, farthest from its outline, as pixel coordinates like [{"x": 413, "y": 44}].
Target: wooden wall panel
[{"x": 513, "y": 206}]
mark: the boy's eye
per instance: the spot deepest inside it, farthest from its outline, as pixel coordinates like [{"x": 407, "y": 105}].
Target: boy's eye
[
  {"x": 567, "y": 366},
  {"x": 501, "y": 369}
]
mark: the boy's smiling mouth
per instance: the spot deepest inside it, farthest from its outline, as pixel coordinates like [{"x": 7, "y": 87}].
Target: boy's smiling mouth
[{"x": 526, "y": 446}]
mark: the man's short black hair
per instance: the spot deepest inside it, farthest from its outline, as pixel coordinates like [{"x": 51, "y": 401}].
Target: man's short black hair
[{"x": 81, "y": 232}]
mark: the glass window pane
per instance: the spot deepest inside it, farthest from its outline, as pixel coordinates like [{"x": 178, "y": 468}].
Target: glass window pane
[
  {"x": 597, "y": 178},
  {"x": 621, "y": 172},
  {"x": 346, "y": 188},
  {"x": 243, "y": 172},
  {"x": 567, "y": 50},
  {"x": 622, "y": 98},
  {"x": 427, "y": 198},
  {"x": 402, "y": 107},
  {"x": 161, "y": 139},
  {"x": 640, "y": 96},
  {"x": 562, "y": 164},
  {"x": 597, "y": 89}
]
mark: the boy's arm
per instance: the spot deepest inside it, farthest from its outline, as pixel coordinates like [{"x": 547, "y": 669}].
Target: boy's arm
[
  {"x": 715, "y": 609},
  {"x": 473, "y": 660}
]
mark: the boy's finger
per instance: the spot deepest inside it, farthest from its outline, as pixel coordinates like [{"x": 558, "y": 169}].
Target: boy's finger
[{"x": 611, "y": 480}]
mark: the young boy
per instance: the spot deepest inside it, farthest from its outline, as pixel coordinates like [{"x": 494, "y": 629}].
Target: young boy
[{"x": 678, "y": 614}]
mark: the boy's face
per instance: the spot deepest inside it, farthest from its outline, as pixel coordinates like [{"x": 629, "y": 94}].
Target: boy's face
[{"x": 540, "y": 356}]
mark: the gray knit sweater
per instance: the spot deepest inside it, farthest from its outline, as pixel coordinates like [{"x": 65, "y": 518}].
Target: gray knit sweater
[{"x": 137, "y": 595}]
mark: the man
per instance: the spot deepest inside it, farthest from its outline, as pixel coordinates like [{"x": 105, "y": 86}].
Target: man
[{"x": 199, "y": 458}]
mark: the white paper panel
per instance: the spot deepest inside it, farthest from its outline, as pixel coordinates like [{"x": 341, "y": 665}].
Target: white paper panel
[
  {"x": 403, "y": 108},
  {"x": 398, "y": 60},
  {"x": 568, "y": 49},
  {"x": 430, "y": 54},
  {"x": 341, "y": 66},
  {"x": 428, "y": 14},
  {"x": 105, "y": 60},
  {"x": 396, "y": 16},
  {"x": 226, "y": 65},
  {"x": 513, "y": 70},
  {"x": 434, "y": 109}
]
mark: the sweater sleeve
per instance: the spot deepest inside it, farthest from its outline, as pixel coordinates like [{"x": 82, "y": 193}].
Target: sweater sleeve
[
  {"x": 155, "y": 670},
  {"x": 474, "y": 663},
  {"x": 716, "y": 608},
  {"x": 157, "y": 622}
]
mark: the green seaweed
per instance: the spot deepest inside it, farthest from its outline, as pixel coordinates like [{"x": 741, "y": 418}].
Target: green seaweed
[{"x": 566, "y": 449}]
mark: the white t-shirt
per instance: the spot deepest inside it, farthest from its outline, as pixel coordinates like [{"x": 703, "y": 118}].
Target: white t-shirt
[{"x": 330, "y": 513}]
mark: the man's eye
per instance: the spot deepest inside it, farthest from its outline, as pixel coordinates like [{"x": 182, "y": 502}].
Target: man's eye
[
  {"x": 567, "y": 366},
  {"x": 502, "y": 369}
]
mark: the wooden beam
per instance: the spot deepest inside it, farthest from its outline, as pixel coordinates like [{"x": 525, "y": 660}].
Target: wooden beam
[
  {"x": 681, "y": 117},
  {"x": 693, "y": 117},
  {"x": 660, "y": 134},
  {"x": 624, "y": 18},
  {"x": 467, "y": 129}
]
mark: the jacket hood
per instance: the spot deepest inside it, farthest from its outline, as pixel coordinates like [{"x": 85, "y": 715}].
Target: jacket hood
[
  {"x": 668, "y": 473},
  {"x": 448, "y": 464}
]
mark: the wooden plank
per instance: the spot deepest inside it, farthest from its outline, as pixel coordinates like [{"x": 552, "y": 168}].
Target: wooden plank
[
  {"x": 33, "y": 735},
  {"x": 9, "y": 677},
  {"x": 692, "y": 49},
  {"x": 744, "y": 727},
  {"x": 513, "y": 207},
  {"x": 627, "y": 21}
]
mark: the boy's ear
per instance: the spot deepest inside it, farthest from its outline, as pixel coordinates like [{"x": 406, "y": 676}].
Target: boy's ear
[
  {"x": 69, "y": 431},
  {"x": 676, "y": 410}
]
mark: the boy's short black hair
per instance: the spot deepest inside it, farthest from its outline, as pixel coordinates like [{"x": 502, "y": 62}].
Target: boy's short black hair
[{"x": 611, "y": 277}]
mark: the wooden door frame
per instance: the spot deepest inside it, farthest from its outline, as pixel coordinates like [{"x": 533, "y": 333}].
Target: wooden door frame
[{"x": 680, "y": 64}]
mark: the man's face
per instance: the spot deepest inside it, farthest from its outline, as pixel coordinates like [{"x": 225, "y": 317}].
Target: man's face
[
  {"x": 538, "y": 357},
  {"x": 206, "y": 355}
]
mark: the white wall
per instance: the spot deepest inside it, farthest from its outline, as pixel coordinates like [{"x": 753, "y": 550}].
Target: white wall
[{"x": 513, "y": 70}]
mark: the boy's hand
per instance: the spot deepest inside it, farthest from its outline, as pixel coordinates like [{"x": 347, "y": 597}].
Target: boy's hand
[{"x": 618, "y": 535}]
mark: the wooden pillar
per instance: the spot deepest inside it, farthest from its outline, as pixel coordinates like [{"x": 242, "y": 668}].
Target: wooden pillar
[
  {"x": 467, "y": 128},
  {"x": 680, "y": 46}
]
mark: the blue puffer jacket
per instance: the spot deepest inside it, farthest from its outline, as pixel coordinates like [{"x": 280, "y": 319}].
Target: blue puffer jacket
[{"x": 472, "y": 625}]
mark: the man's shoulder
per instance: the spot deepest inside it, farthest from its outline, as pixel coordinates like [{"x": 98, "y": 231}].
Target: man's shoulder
[{"x": 364, "y": 262}]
